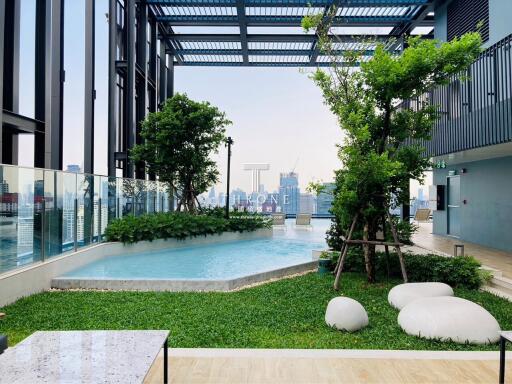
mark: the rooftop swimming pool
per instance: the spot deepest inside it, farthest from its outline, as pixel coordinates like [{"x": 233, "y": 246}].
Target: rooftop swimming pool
[{"x": 222, "y": 261}]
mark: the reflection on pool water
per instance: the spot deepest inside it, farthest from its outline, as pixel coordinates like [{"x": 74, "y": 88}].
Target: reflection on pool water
[{"x": 290, "y": 246}]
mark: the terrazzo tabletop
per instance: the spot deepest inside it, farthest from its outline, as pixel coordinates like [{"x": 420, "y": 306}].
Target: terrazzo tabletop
[{"x": 71, "y": 357}]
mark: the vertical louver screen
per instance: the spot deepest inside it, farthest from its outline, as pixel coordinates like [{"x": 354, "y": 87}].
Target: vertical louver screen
[{"x": 465, "y": 15}]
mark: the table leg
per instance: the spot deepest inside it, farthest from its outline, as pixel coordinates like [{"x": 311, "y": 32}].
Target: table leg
[
  {"x": 166, "y": 361},
  {"x": 503, "y": 341}
]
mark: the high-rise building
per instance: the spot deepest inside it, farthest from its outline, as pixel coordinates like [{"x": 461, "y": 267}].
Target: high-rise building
[
  {"x": 307, "y": 203},
  {"x": 4, "y": 186},
  {"x": 75, "y": 168},
  {"x": 238, "y": 199},
  {"x": 324, "y": 199},
  {"x": 271, "y": 204},
  {"x": 289, "y": 193}
]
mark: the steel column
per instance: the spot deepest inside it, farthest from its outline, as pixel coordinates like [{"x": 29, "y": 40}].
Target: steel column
[
  {"x": 42, "y": 73},
  {"x": 2, "y": 34},
  {"x": 170, "y": 93},
  {"x": 142, "y": 83},
  {"x": 153, "y": 57},
  {"x": 90, "y": 25},
  {"x": 162, "y": 86},
  {"x": 54, "y": 85},
  {"x": 152, "y": 73},
  {"x": 11, "y": 56},
  {"x": 129, "y": 92},
  {"x": 112, "y": 88},
  {"x": 170, "y": 76},
  {"x": 11, "y": 71}
]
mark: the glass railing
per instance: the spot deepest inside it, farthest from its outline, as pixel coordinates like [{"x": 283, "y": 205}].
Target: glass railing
[{"x": 46, "y": 213}]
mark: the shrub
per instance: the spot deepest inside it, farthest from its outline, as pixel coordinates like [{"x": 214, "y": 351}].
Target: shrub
[
  {"x": 179, "y": 225},
  {"x": 460, "y": 271}
]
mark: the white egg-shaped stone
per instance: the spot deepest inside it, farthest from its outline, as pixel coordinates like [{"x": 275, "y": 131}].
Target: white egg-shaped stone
[
  {"x": 401, "y": 295},
  {"x": 346, "y": 314},
  {"x": 449, "y": 318}
]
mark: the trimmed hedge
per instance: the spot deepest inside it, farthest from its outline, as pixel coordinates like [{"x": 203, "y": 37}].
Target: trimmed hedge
[
  {"x": 461, "y": 271},
  {"x": 179, "y": 225}
]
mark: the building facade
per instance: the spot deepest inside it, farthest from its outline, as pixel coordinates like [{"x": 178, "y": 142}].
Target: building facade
[
  {"x": 289, "y": 193},
  {"x": 471, "y": 145},
  {"x": 307, "y": 203},
  {"x": 324, "y": 199}
]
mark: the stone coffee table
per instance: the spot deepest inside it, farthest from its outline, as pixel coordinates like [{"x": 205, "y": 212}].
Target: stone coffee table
[
  {"x": 84, "y": 357},
  {"x": 505, "y": 336}
]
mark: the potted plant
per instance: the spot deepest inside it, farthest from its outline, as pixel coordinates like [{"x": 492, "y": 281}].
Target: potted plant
[{"x": 324, "y": 263}]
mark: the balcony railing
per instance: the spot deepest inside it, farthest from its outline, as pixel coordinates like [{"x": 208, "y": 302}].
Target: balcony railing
[
  {"x": 46, "y": 213},
  {"x": 476, "y": 106}
]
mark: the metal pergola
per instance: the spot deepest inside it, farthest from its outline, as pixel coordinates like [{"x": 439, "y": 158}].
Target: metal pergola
[{"x": 399, "y": 17}]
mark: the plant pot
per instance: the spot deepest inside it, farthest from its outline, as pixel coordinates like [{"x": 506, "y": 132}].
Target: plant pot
[{"x": 324, "y": 266}]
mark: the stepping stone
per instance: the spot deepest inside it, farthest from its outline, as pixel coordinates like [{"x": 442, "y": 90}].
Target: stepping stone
[
  {"x": 401, "y": 295},
  {"x": 346, "y": 314},
  {"x": 449, "y": 318}
]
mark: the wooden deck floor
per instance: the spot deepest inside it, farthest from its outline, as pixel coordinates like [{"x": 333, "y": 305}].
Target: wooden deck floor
[
  {"x": 490, "y": 257},
  {"x": 290, "y": 369}
]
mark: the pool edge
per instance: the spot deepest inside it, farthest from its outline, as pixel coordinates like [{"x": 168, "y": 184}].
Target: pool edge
[
  {"x": 37, "y": 277},
  {"x": 171, "y": 285}
]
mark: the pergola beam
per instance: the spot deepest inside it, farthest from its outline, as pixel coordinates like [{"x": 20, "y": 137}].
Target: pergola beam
[
  {"x": 287, "y": 3},
  {"x": 405, "y": 29},
  {"x": 327, "y": 19},
  {"x": 263, "y": 38},
  {"x": 242, "y": 22},
  {"x": 258, "y": 64},
  {"x": 282, "y": 21},
  {"x": 422, "y": 16},
  {"x": 265, "y": 52}
]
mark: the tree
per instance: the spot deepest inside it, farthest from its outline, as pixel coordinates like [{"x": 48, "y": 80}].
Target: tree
[
  {"x": 367, "y": 102},
  {"x": 177, "y": 144}
]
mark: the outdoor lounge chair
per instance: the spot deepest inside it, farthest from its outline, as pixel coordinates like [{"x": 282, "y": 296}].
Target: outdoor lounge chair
[
  {"x": 422, "y": 215},
  {"x": 278, "y": 219},
  {"x": 303, "y": 220}
]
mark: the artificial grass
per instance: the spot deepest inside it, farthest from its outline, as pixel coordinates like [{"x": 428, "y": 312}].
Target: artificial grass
[{"x": 284, "y": 314}]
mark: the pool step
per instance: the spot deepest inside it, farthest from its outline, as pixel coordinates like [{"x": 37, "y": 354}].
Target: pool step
[
  {"x": 502, "y": 283},
  {"x": 497, "y": 292}
]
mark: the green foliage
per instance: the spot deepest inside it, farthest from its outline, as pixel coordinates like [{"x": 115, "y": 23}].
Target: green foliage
[
  {"x": 180, "y": 225},
  {"x": 331, "y": 255},
  {"x": 377, "y": 167},
  {"x": 455, "y": 271},
  {"x": 405, "y": 230},
  {"x": 284, "y": 314},
  {"x": 177, "y": 144}
]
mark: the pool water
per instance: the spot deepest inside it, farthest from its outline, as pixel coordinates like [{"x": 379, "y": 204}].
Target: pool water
[{"x": 213, "y": 262}]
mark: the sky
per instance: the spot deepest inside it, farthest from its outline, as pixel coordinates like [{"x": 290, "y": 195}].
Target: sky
[
  {"x": 278, "y": 114},
  {"x": 278, "y": 118}
]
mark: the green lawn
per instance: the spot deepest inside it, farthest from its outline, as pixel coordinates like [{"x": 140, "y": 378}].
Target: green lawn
[{"x": 284, "y": 314}]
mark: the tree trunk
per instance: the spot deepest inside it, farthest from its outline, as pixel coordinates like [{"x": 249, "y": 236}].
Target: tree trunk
[
  {"x": 369, "y": 255},
  {"x": 341, "y": 260},
  {"x": 398, "y": 250}
]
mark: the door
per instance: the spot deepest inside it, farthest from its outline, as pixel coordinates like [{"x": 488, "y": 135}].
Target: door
[{"x": 453, "y": 184}]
